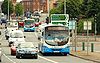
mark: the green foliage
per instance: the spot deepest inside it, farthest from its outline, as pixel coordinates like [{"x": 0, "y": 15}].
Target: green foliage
[
  {"x": 98, "y": 23},
  {"x": 19, "y": 9},
  {"x": 80, "y": 25},
  {"x": 84, "y": 8},
  {"x": 4, "y": 7}
]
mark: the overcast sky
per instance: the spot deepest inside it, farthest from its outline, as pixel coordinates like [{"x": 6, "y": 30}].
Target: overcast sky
[{"x": 17, "y": 0}]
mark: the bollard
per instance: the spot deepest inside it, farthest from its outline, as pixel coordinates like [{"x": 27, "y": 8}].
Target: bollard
[
  {"x": 92, "y": 47},
  {"x": 83, "y": 46}
]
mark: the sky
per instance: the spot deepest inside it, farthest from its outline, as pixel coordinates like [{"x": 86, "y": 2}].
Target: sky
[{"x": 17, "y": 0}]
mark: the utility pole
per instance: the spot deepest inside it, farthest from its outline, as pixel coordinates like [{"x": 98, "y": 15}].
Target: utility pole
[
  {"x": 64, "y": 6},
  {"x": 87, "y": 38},
  {"x": 48, "y": 8},
  {"x": 8, "y": 10},
  {"x": 75, "y": 34},
  {"x": 95, "y": 26}
]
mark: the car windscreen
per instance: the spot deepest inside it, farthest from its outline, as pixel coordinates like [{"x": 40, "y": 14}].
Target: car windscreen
[{"x": 26, "y": 45}]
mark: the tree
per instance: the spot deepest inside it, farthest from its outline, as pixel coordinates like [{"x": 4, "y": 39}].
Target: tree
[
  {"x": 19, "y": 9},
  {"x": 98, "y": 23},
  {"x": 4, "y": 7},
  {"x": 58, "y": 9},
  {"x": 72, "y": 7}
]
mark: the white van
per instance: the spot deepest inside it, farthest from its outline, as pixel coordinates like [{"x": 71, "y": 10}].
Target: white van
[
  {"x": 8, "y": 31},
  {"x": 16, "y": 36},
  {"x": 12, "y": 25}
]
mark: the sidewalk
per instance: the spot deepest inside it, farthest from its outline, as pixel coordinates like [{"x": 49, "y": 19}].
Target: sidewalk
[{"x": 92, "y": 56}]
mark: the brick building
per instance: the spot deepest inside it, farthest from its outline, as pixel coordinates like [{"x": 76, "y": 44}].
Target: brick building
[
  {"x": 33, "y": 5},
  {"x": 53, "y": 3}
]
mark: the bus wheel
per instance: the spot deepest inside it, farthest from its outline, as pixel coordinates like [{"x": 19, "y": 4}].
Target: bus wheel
[{"x": 65, "y": 54}]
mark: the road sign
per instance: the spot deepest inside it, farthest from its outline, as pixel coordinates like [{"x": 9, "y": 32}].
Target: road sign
[
  {"x": 60, "y": 19},
  {"x": 72, "y": 25},
  {"x": 87, "y": 25}
]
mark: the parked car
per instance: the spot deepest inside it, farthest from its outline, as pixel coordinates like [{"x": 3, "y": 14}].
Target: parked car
[
  {"x": 26, "y": 49},
  {"x": 16, "y": 36}
]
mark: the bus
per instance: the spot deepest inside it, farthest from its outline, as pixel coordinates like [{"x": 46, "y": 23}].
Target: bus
[
  {"x": 54, "y": 39},
  {"x": 29, "y": 25}
]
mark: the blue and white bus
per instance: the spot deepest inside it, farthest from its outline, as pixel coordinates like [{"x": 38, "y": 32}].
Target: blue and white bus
[
  {"x": 29, "y": 25},
  {"x": 54, "y": 39}
]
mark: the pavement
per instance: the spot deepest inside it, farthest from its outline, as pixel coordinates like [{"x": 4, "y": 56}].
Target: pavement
[{"x": 91, "y": 56}]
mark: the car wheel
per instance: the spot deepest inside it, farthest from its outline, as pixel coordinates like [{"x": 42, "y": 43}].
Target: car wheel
[
  {"x": 7, "y": 37},
  {"x": 9, "y": 45},
  {"x": 39, "y": 38},
  {"x": 18, "y": 57},
  {"x": 36, "y": 57},
  {"x": 0, "y": 60},
  {"x": 12, "y": 53}
]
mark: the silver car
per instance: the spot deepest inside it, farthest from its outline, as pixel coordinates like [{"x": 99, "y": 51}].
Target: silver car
[{"x": 26, "y": 49}]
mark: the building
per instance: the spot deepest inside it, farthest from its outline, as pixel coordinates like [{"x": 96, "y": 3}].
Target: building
[
  {"x": 53, "y": 3},
  {"x": 35, "y": 5}
]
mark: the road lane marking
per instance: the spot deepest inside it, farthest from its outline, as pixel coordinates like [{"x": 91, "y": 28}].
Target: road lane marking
[
  {"x": 9, "y": 58},
  {"x": 1, "y": 38},
  {"x": 36, "y": 35},
  {"x": 47, "y": 59}
]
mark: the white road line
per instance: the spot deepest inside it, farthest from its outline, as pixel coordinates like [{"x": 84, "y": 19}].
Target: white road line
[
  {"x": 9, "y": 58},
  {"x": 1, "y": 38},
  {"x": 47, "y": 59},
  {"x": 36, "y": 35}
]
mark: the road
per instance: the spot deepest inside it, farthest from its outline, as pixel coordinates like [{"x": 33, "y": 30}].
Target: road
[{"x": 31, "y": 37}]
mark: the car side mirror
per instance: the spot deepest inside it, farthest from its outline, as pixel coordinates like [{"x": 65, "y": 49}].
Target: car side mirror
[{"x": 24, "y": 36}]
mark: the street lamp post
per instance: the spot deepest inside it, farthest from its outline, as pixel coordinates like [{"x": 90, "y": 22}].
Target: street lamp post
[
  {"x": 64, "y": 6},
  {"x": 95, "y": 26},
  {"x": 8, "y": 10},
  {"x": 48, "y": 7}
]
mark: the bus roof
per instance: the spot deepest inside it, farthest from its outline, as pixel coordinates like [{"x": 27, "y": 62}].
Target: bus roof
[{"x": 46, "y": 25}]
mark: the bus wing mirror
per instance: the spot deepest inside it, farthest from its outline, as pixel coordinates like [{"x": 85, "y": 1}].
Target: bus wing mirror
[{"x": 24, "y": 36}]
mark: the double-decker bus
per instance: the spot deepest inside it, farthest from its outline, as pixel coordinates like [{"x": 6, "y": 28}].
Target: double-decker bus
[
  {"x": 29, "y": 25},
  {"x": 54, "y": 39}
]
